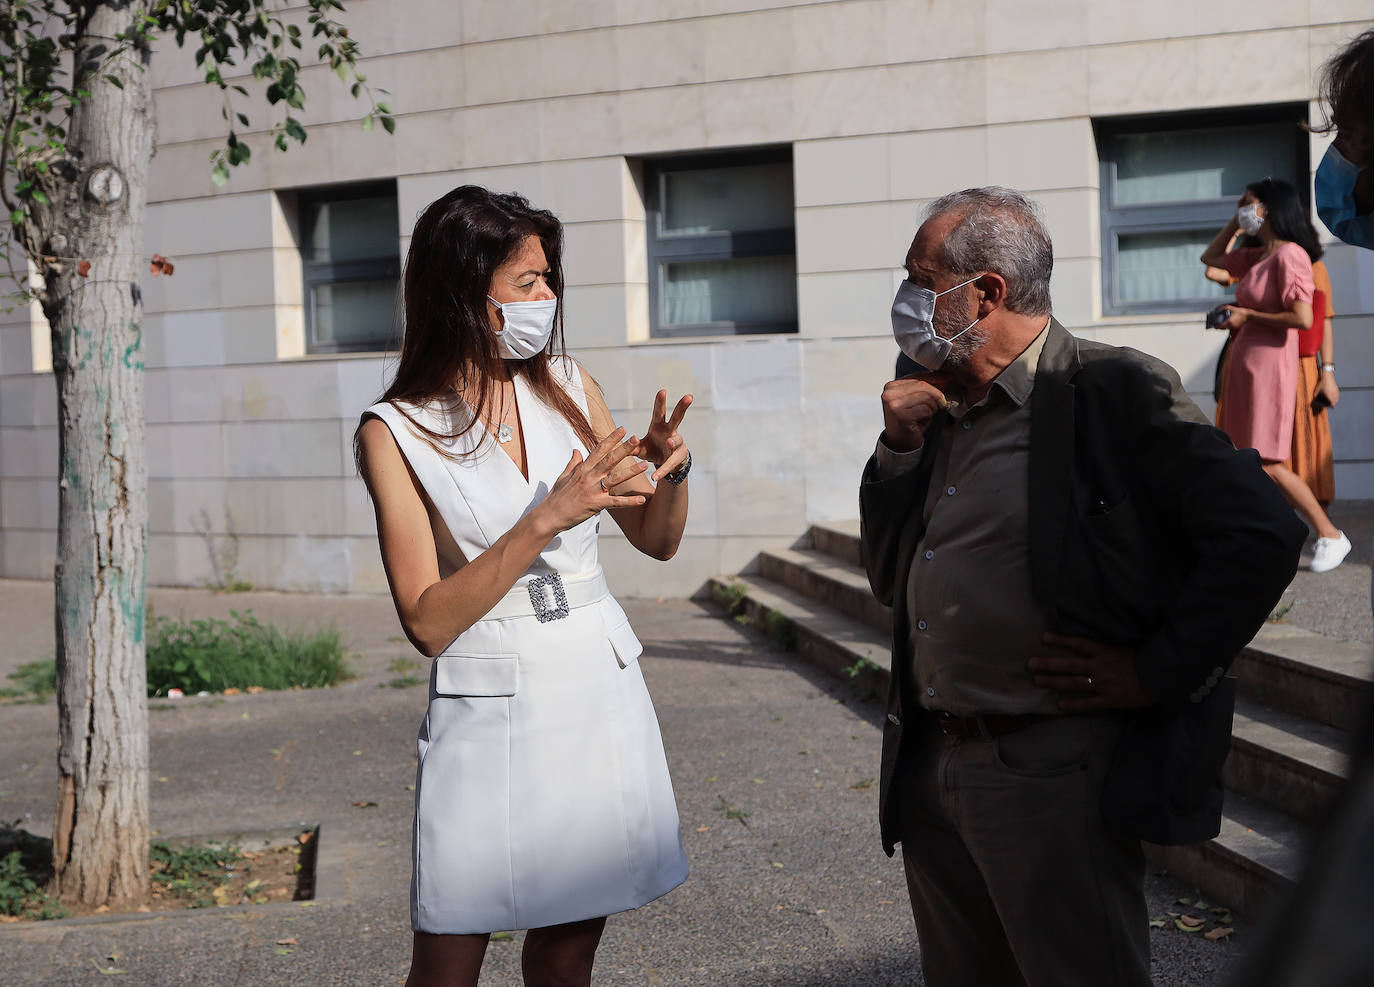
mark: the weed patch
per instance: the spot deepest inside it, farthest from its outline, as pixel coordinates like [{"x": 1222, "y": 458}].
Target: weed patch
[
  {"x": 34, "y": 681},
  {"x": 214, "y": 655},
  {"x": 25, "y": 867}
]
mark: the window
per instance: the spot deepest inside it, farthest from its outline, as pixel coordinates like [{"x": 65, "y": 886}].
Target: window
[
  {"x": 350, "y": 252},
  {"x": 1169, "y": 183},
  {"x": 722, "y": 243}
]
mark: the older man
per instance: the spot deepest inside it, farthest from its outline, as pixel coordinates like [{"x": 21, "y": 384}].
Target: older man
[{"x": 1072, "y": 553}]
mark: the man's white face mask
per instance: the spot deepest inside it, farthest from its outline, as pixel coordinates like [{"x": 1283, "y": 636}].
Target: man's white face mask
[{"x": 913, "y": 324}]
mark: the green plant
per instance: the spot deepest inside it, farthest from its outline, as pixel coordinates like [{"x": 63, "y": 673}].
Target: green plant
[
  {"x": 859, "y": 667},
  {"x": 34, "y": 678},
  {"x": 25, "y": 866},
  {"x": 213, "y": 655},
  {"x": 730, "y": 812},
  {"x": 781, "y": 632},
  {"x": 1280, "y": 612},
  {"x": 194, "y": 872},
  {"x": 403, "y": 666},
  {"x": 405, "y": 681},
  {"x": 732, "y": 596}
]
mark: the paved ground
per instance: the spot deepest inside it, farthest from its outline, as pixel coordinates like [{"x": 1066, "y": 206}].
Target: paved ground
[{"x": 801, "y": 896}]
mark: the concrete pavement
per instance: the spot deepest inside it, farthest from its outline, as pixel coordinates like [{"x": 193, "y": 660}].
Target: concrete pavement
[{"x": 798, "y": 892}]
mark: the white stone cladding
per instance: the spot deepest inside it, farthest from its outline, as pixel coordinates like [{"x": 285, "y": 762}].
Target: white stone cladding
[{"x": 886, "y": 104}]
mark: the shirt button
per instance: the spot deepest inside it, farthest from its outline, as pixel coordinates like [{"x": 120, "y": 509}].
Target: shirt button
[
  {"x": 894, "y": 719},
  {"x": 930, "y": 691},
  {"x": 920, "y": 625},
  {"x": 930, "y": 553},
  {"x": 950, "y": 491},
  {"x": 968, "y": 425}
]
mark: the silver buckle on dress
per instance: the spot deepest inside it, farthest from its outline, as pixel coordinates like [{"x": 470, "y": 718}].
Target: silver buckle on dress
[{"x": 544, "y": 608}]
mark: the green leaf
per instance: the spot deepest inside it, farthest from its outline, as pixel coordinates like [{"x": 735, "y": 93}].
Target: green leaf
[
  {"x": 389, "y": 124},
  {"x": 40, "y": 197},
  {"x": 243, "y": 119},
  {"x": 220, "y": 173},
  {"x": 367, "y": 122},
  {"x": 114, "y": 81},
  {"x": 17, "y": 217},
  {"x": 294, "y": 129}
]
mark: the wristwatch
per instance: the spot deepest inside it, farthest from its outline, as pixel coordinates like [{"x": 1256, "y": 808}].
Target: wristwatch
[
  {"x": 678, "y": 475},
  {"x": 1329, "y": 368}
]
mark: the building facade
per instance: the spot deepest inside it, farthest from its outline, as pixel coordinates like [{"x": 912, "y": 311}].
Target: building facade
[{"x": 739, "y": 181}]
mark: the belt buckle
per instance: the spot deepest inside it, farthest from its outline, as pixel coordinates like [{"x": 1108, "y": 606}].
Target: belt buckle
[{"x": 545, "y": 609}]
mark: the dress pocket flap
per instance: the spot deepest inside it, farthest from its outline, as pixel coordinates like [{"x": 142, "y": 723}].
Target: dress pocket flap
[
  {"x": 476, "y": 675},
  {"x": 625, "y": 643}
]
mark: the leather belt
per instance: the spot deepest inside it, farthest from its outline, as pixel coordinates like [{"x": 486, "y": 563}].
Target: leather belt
[
  {"x": 985, "y": 727},
  {"x": 550, "y": 597}
]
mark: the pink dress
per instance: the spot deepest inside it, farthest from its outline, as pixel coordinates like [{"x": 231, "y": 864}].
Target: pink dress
[{"x": 1262, "y": 365}]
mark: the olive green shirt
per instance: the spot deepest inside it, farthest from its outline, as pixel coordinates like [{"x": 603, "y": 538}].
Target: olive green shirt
[{"x": 973, "y": 619}]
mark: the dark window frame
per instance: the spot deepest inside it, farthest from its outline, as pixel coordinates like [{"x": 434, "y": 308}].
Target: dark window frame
[
  {"x": 1175, "y": 217},
  {"x": 713, "y": 246},
  {"x": 318, "y": 273}
]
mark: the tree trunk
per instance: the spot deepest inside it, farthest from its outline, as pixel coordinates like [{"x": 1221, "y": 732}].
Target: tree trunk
[{"x": 98, "y": 197}]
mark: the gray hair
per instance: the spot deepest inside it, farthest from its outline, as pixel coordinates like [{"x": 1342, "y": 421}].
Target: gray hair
[{"x": 999, "y": 230}]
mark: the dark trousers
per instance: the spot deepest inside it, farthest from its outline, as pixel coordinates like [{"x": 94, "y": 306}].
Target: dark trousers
[{"x": 1014, "y": 879}]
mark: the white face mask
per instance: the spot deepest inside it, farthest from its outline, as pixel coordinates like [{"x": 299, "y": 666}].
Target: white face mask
[
  {"x": 528, "y": 327},
  {"x": 913, "y": 326},
  {"x": 1249, "y": 219}
]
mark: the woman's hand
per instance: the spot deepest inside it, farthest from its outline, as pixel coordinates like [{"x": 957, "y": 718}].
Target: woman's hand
[
  {"x": 1326, "y": 386},
  {"x": 1238, "y": 318},
  {"x": 583, "y": 488},
  {"x": 662, "y": 445}
]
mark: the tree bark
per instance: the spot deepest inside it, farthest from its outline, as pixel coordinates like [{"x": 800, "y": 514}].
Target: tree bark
[{"x": 97, "y": 202}]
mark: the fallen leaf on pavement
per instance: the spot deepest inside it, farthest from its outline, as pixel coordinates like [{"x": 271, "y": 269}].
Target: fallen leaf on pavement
[
  {"x": 1178, "y": 924},
  {"x": 1158, "y": 923},
  {"x": 1220, "y": 932},
  {"x": 365, "y": 805},
  {"x": 288, "y": 942},
  {"x": 1192, "y": 921}
]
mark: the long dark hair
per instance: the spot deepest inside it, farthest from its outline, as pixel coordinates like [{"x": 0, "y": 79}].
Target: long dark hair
[
  {"x": 458, "y": 243},
  {"x": 1287, "y": 218},
  {"x": 1347, "y": 89}
]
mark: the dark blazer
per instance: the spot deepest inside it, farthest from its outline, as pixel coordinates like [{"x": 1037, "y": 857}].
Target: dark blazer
[{"x": 1148, "y": 529}]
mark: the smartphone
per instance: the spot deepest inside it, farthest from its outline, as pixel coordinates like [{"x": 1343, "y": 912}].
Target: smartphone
[
  {"x": 1320, "y": 402},
  {"x": 1217, "y": 317}
]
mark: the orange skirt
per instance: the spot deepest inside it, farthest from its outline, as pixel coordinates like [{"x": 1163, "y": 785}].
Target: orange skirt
[{"x": 1311, "y": 458}]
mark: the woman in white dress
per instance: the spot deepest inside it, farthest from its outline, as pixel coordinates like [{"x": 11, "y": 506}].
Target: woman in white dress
[{"x": 542, "y": 797}]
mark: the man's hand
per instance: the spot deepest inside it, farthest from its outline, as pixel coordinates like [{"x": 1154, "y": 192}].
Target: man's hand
[
  {"x": 1088, "y": 675},
  {"x": 909, "y": 404}
]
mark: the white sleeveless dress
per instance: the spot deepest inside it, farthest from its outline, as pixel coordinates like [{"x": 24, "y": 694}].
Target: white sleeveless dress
[{"x": 542, "y": 794}]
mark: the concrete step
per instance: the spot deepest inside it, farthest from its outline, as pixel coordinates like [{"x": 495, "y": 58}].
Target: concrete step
[
  {"x": 1284, "y": 667},
  {"x": 1292, "y": 763},
  {"x": 839, "y": 539},
  {"x": 834, "y": 583},
  {"x": 1300, "y": 693},
  {"x": 844, "y": 647},
  {"x": 1311, "y": 675},
  {"x": 1255, "y": 858}
]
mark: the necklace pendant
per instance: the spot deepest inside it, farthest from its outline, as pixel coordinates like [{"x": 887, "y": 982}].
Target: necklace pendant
[{"x": 505, "y": 433}]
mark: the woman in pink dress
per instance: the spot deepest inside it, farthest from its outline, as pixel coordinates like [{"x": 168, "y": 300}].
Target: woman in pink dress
[{"x": 1273, "y": 301}]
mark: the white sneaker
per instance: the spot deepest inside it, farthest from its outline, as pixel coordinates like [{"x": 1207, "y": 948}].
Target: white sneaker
[{"x": 1329, "y": 553}]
